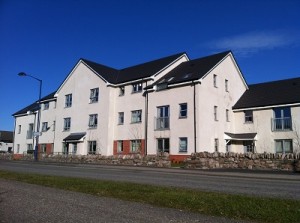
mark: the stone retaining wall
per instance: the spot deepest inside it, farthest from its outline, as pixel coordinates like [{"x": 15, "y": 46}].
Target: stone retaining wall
[
  {"x": 160, "y": 160},
  {"x": 264, "y": 161}
]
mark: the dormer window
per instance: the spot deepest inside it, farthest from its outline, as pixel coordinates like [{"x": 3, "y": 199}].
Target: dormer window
[
  {"x": 138, "y": 87},
  {"x": 46, "y": 105}
]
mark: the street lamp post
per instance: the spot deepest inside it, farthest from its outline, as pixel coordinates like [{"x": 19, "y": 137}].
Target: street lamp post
[{"x": 22, "y": 74}]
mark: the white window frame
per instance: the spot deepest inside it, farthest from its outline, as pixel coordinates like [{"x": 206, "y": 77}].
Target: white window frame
[
  {"x": 216, "y": 113},
  {"x": 46, "y": 105},
  {"x": 183, "y": 144},
  {"x": 67, "y": 124},
  {"x": 136, "y": 116},
  {"x": 68, "y": 100},
  {"x": 226, "y": 85},
  {"x": 93, "y": 120},
  {"x": 137, "y": 87},
  {"x": 94, "y": 95},
  {"x": 122, "y": 91},
  {"x": 135, "y": 145},
  {"x": 44, "y": 126},
  {"x": 215, "y": 80},
  {"x": 183, "y": 110},
  {"x": 92, "y": 147},
  {"x": 248, "y": 114},
  {"x": 121, "y": 118},
  {"x": 283, "y": 143},
  {"x": 120, "y": 146}
]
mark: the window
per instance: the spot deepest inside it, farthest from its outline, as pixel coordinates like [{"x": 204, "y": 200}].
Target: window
[
  {"x": 284, "y": 146},
  {"x": 163, "y": 145},
  {"x": 122, "y": 91},
  {"x": 74, "y": 148},
  {"x": 282, "y": 120},
  {"x": 227, "y": 115},
  {"x": 68, "y": 100},
  {"x": 226, "y": 85},
  {"x": 183, "y": 110},
  {"x": 248, "y": 116},
  {"x": 30, "y": 131},
  {"x": 19, "y": 129},
  {"x": 46, "y": 105},
  {"x": 137, "y": 87},
  {"x": 53, "y": 126},
  {"x": 54, "y": 104},
  {"x": 44, "y": 126},
  {"x": 120, "y": 146},
  {"x": 215, "y": 80},
  {"x": 18, "y": 148},
  {"x": 29, "y": 148},
  {"x": 136, "y": 116},
  {"x": 67, "y": 124},
  {"x": 216, "y": 113},
  {"x": 135, "y": 146},
  {"x": 43, "y": 148},
  {"x": 248, "y": 146},
  {"x": 94, "y": 95},
  {"x": 216, "y": 145},
  {"x": 163, "y": 118},
  {"x": 183, "y": 144},
  {"x": 93, "y": 121},
  {"x": 92, "y": 147},
  {"x": 121, "y": 118}
]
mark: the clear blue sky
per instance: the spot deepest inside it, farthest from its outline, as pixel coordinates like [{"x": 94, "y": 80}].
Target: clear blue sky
[{"x": 47, "y": 38}]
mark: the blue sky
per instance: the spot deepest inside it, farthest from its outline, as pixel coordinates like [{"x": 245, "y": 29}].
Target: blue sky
[{"x": 47, "y": 38}]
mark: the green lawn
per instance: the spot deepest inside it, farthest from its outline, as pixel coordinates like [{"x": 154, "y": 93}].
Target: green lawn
[{"x": 208, "y": 203}]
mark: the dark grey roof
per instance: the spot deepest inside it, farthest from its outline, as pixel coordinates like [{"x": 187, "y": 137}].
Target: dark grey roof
[
  {"x": 241, "y": 136},
  {"x": 140, "y": 71},
  {"x": 75, "y": 136},
  {"x": 34, "y": 106},
  {"x": 192, "y": 70},
  {"x": 270, "y": 93},
  {"x": 6, "y": 136}
]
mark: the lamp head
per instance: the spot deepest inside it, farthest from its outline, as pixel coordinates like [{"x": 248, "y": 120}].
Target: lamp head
[{"x": 22, "y": 74}]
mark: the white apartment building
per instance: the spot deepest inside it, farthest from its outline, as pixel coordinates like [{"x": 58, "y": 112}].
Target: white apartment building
[{"x": 172, "y": 104}]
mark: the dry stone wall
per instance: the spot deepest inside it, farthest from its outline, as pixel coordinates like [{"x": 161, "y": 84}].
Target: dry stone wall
[{"x": 264, "y": 161}]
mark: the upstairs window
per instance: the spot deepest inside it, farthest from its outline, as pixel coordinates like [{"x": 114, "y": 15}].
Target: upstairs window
[
  {"x": 67, "y": 124},
  {"x": 138, "y": 87},
  {"x": 183, "y": 110},
  {"x": 68, "y": 100},
  {"x": 19, "y": 129},
  {"x": 216, "y": 113},
  {"x": 46, "y": 105},
  {"x": 136, "y": 116},
  {"x": 93, "y": 120},
  {"x": 94, "y": 95},
  {"x": 227, "y": 115},
  {"x": 226, "y": 85},
  {"x": 215, "y": 80},
  {"x": 44, "y": 126},
  {"x": 248, "y": 116},
  {"x": 122, "y": 91},
  {"x": 121, "y": 118}
]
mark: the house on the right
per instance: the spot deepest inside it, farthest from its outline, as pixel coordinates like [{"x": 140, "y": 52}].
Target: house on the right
[{"x": 267, "y": 119}]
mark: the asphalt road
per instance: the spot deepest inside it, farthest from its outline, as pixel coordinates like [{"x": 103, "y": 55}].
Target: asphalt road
[{"x": 258, "y": 183}]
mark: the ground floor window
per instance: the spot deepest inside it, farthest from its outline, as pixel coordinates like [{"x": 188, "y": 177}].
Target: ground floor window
[
  {"x": 65, "y": 148},
  {"x": 216, "y": 145},
  {"x": 135, "y": 145},
  {"x": 18, "y": 148},
  {"x": 29, "y": 148},
  {"x": 248, "y": 146},
  {"x": 183, "y": 142},
  {"x": 120, "y": 146},
  {"x": 284, "y": 146},
  {"x": 92, "y": 147},
  {"x": 163, "y": 145},
  {"x": 74, "y": 148},
  {"x": 43, "y": 148}
]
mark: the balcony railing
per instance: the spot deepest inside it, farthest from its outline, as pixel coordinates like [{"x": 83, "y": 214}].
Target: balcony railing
[
  {"x": 29, "y": 135},
  {"x": 282, "y": 124},
  {"x": 162, "y": 123}
]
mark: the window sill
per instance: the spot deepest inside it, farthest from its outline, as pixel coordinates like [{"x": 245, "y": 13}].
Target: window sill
[
  {"x": 66, "y": 130},
  {"x": 92, "y": 127},
  {"x": 248, "y": 122},
  {"x": 162, "y": 129},
  {"x": 93, "y": 102},
  {"x": 120, "y": 123},
  {"x": 182, "y": 151},
  {"x": 182, "y": 117},
  {"x": 134, "y": 92},
  {"x": 135, "y": 122}
]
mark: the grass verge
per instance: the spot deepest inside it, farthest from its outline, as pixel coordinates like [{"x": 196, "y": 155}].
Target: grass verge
[{"x": 238, "y": 207}]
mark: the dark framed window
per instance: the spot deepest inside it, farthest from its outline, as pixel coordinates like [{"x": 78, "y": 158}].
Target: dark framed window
[{"x": 183, "y": 110}]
